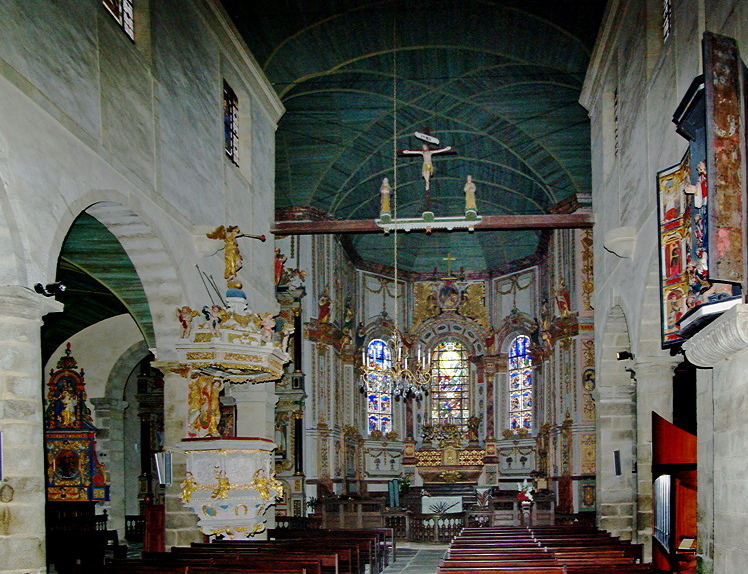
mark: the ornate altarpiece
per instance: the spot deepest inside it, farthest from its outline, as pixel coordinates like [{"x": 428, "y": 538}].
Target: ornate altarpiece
[
  {"x": 74, "y": 472},
  {"x": 702, "y": 199}
]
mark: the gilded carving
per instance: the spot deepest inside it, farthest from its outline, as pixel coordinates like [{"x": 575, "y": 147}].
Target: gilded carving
[
  {"x": 223, "y": 485},
  {"x": 188, "y": 487},
  {"x": 588, "y": 284},
  {"x": 425, "y": 303},
  {"x": 473, "y": 304},
  {"x": 204, "y": 409}
]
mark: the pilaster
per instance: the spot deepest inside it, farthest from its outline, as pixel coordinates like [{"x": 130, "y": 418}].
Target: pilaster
[
  {"x": 722, "y": 397},
  {"x": 110, "y": 440},
  {"x": 616, "y": 484},
  {"x": 654, "y": 383},
  {"x": 22, "y": 490},
  {"x": 181, "y": 522}
]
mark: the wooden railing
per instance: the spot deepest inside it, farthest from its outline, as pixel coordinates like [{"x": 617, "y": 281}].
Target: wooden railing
[
  {"x": 436, "y": 527},
  {"x": 134, "y": 528},
  {"x": 298, "y": 522}
]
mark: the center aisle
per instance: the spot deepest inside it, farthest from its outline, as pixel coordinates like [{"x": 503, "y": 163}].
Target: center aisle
[{"x": 414, "y": 558}]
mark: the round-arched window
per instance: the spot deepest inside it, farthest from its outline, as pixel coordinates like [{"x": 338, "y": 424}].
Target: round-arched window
[{"x": 520, "y": 385}]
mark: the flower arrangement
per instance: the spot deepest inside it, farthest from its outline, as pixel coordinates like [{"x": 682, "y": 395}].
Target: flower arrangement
[{"x": 525, "y": 491}]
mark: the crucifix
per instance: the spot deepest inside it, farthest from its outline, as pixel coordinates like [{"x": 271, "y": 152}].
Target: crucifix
[
  {"x": 449, "y": 260},
  {"x": 427, "y": 170}
]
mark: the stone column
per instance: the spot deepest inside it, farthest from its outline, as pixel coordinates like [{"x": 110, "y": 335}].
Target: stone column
[
  {"x": 22, "y": 490},
  {"x": 722, "y": 396},
  {"x": 110, "y": 449},
  {"x": 181, "y": 522},
  {"x": 616, "y": 430},
  {"x": 654, "y": 384}
]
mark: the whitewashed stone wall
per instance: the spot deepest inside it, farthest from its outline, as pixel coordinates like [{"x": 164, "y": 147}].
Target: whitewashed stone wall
[
  {"x": 647, "y": 77},
  {"x": 133, "y": 133}
]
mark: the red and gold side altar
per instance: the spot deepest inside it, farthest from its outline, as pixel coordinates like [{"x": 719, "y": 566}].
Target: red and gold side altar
[{"x": 74, "y": 473}]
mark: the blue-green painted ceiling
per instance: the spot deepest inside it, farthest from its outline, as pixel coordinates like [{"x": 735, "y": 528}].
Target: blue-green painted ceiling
[
  {"x": 499, "y": 81},
  {"x": 101, "y": 282}
]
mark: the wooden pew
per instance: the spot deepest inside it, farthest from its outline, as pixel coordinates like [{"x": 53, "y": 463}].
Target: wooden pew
[
  {"x": 133, "y": 566},
  {"x": 372, "y": 542},
  {"x": 499, "y": 570},
  {"x": 337, "y": 557},
  {"x": 578, "y": 550}
]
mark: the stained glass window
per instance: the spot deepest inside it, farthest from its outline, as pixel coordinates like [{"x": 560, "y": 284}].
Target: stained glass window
[
  {"x": 450, "y": 384},
  {"x": 231, "y": 123},
  {"x": 379, "y": 388},
  {"x": 520, "y": 384},
  {"x": 122, "y": 12}
]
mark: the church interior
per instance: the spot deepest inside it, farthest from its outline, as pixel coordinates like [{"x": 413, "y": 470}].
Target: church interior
[{"x": 320, "y": 278}]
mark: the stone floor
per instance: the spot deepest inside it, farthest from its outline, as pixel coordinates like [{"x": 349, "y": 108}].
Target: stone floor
[{"x": 414, "y": 558}]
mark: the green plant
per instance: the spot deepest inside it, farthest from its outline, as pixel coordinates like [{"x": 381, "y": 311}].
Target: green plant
[
  {"x": 312, "y": 503},
  {"x": 405, "y": 481}
]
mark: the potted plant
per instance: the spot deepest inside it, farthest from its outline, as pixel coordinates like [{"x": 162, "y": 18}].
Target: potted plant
[{"x": 312, "y": 503}]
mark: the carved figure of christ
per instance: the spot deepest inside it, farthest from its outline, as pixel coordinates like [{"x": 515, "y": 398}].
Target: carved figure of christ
[{"x": 428, "y": 168}]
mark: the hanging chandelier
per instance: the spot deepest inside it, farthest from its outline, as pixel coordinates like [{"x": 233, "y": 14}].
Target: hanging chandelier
[{"x": 387, "y": 366}]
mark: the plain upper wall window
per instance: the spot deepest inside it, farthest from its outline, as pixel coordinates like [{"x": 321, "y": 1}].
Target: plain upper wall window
[
  {"x": 122, "y": 12},
  {"x": 231, "y": 123}
]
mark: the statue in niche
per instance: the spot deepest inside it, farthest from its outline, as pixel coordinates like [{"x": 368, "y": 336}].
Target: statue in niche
[
  {"x": 472, "y": 426},
  {"x": 347, "y": 324},
  {"x": 563, "y": 300},
  {"x": 69, "y": 402},
  {"x": 280, "y": 261},
  {"x": 323, "y": 313}
]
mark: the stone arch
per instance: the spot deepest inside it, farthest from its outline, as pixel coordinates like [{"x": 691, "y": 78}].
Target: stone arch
[
  {"x": 435, "y": 330},
  {"x": 123, "y": 368},
  {"x": 148, "y": 250}
]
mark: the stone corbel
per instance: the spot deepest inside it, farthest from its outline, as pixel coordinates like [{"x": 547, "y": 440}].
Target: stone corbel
[
  {"x": 720, "y": 340},
  {"x": 621, "y": 241}
]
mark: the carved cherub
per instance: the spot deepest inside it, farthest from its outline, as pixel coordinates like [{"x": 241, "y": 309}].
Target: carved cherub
[
  {"x": 185, "y": 315},
  {"x": 188, "y": 487},
  {"x": 223, "y": 487},
  {"x": 267, "y": 327}
]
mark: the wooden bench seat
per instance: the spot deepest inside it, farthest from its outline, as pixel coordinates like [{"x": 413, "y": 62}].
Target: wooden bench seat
[
  {"x": 372, "y": 543},
  {"x": 499, "y": 570},
  {"x": 332, "y": 561},
  {"x": 449, "y": 563},
  {"x": 132, "y": 566}
]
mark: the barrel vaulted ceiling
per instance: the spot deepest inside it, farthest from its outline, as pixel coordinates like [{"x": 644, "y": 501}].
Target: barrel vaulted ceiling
[{"x": 498, "y": 81}]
